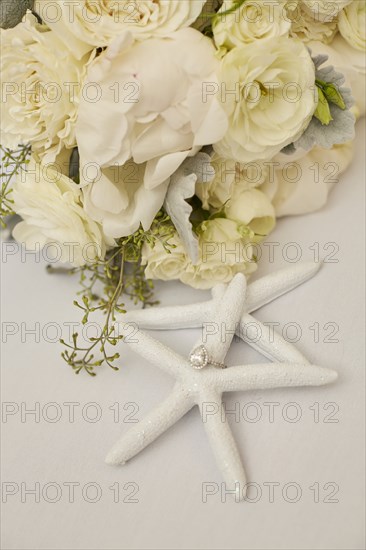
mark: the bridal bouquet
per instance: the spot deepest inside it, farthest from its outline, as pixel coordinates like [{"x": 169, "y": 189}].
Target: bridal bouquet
[{"x": 161, "y": 139}]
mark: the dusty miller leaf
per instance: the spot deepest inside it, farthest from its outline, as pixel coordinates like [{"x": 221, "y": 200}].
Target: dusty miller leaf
[
  {"x": 342, "y": 126},
  {"x": 182, "y": 187}
]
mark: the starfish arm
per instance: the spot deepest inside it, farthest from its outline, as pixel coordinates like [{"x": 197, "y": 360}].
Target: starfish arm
[
  {"x": 268, "y": 343},
  {"x": 152, "y": 350},
  {"x": 272, "y": 375},
  {"x": 172, "y": 318},
  {"x": 273, "y": 286},
  {"x": 218, "y": 332},
  {"x": 222, "y": 443},
  {"x": 160, "y": 419}
]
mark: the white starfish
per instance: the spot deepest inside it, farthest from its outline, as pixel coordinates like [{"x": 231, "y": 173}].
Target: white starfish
[
  {"x": 204, "y": 387},
  {"x": 259, "y": 293}
]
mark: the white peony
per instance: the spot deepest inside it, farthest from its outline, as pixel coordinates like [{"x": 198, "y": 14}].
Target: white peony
[
  {"x": 352, "y": 24},
  {"x": 325, "y": 10},
  {"x": 268, "y": 92},
  {"x": 41, "y": 83},
  {"x": 301, "y": 186},
  {"x": 153, "y": 112},
  {"x": 85, "y": 24},
  {"x": 51, "y": 206},
  {"x": 253, "y": 20},
  {"x": 119, "y": 200},
  {"x": 351, "y": 63}
]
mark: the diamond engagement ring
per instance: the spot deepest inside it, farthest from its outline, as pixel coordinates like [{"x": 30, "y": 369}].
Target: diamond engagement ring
[{"x": 199, "y": 359}]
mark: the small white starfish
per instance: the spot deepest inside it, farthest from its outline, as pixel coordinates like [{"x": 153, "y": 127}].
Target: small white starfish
[{"x": 204, "y": 386}]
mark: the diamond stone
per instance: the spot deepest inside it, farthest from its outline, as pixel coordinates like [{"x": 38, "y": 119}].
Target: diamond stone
[{"x": 199, "y": 358}]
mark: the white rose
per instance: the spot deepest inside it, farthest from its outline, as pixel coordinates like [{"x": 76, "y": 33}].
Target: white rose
[
  {"x": 352, "y": 24},
  {"x": 120, "y": 201},
  {"x": 86, "y": 24},
  {"x": 51, "y": 207},
  {"x": 164, "y": 266},
  {"x": 224, "y": 251},
  {"x": 40, "y": 86},
  {"x": 251, "y": 208},
  {"x": 351, "y": 63},
  {"x": 301, "y": 186},
  {"x": 325, "y": 10},
  {"x": 268, "y": 94},
  {"x": 254, "y": 20},
  {"x": 228, "y": 173},
  {"x": 160, "y": 115},
  {"x": 208, "y": 274}
]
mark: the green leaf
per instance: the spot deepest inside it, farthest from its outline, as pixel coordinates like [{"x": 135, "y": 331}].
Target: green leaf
[
  {"x": 322, "y": 112},
  {"x": 333, "y": 95}
]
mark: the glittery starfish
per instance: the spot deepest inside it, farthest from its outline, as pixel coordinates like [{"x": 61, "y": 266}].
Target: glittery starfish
[
  {"x": 252, "y": 331},
  {"x": 204, "y": 386}
]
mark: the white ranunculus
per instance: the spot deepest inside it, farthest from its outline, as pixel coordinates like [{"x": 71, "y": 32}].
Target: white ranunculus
[
  {"x": 352, "y": 24},
  {"x": 268, "y": 93},
  {"x": 228, "y": 173},
  {"x": 301, "y": 186},
  {"x": 154, "y": 112},
  {"x": 351, "y": 63},
  {"x": 119, "y": 200},
  {"x": 254, "y": 20},
  {"x": 86, "y": 24},
  {"x": 307, "y": 26},
  {"x": 51, "y": 206},
  {"x": 325, "y": 10},
  {"x": 41, "y": 83}
]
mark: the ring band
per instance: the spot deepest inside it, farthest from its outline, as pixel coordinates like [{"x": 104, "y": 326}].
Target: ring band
[{"x": 199, "y": 359}]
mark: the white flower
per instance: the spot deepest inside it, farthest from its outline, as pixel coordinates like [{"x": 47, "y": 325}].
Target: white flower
[
  {"x": 218, "y": 191},
  {"x": 86, "y": 24},
  {"x": 351, "y": 63},
  {"x": 40, "y": 87},
  {"x": 154, "y": 112},
  {"x": 268, "y": 94},
  {"x": 227, "y": 245},
  {"x": 302, "y": 185},
  {"x": 164, "y": 266},
  {"x": 306, "y": 25},
  {"x": 120, "y": 201},
  {"x": 251, "y": 209},
  {"x": 325, "y": 10},
  {"x": 254, "y": 20},
  {"x": 224, "y": 251},
  {"x": 352, "y": 24},
  {"x": 51, "y": 207}
]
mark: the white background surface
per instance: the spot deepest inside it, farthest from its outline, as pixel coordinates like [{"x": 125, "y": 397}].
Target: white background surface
[{"x": 170, "y": 512}]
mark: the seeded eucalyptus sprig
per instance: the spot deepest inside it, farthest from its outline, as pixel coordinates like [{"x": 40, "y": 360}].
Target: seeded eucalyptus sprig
[
  {"x": 11, "y": 164},
  {"x": 120, "y": 273}
]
